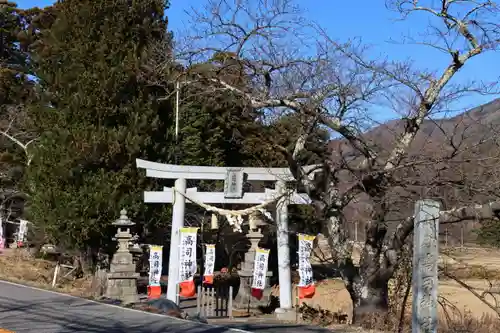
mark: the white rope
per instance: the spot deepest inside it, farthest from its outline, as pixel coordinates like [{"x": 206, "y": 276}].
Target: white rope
[
  {"x": 13, "y": 222},
  {"x": 234, "y": 217}
]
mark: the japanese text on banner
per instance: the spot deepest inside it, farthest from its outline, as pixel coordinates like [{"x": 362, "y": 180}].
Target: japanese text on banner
[
  {"x": 260, "y": 268},
  {"x": 155, "y": 264},
  {"x": 305, "y": 269},
  {"x": 209, "y": 260},
  {"x": 187, "y": 254}
]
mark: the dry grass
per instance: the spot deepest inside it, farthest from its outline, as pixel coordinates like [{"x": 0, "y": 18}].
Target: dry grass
[
  {"x": 17, "y": 265},
  {"x": 473, "y": 263},
  {"x": 448, "y": 322},
  {"x": 331, "y": 295},
  {"x": 463, "y": 322},
  {"x": 477, "y": 267},
  {"x": 464, "y": 312}
]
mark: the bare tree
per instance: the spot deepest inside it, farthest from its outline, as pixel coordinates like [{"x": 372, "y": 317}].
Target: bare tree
[
  {"x": 16, "y": 155},
  {"x": 290, "y": 65},
  {"x": 13, "y": 131},
  {"x": 17, "y": 89}
]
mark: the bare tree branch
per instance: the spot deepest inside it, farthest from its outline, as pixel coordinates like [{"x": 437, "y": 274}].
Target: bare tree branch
[{"x": 23, "y": 146}]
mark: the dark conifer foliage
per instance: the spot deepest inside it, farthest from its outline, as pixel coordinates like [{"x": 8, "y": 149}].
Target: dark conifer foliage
[{"x": 96, "y": 117}]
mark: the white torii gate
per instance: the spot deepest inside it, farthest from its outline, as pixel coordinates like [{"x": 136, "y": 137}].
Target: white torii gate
[{"x": 180, "y": 173}]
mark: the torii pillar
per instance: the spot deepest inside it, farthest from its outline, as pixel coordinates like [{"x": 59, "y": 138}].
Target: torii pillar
[{"x": 285, "y": 311}]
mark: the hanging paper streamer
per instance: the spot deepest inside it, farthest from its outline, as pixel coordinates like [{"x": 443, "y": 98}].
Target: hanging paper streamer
[
  {"x": 155, "y": 268},
  {"x": 253, "y": 220},
  {"x": 187, "y": 262},
  {"x": 259, "y": 272},
  {"x": 208, "y": 276},
  {"x": 214, "y": 223},
  {"x": 22, "y": 232},
  {"x": 306, "y": 284}
]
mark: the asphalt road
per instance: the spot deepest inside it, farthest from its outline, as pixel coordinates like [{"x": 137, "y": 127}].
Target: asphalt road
[{"x": 26, "y": 309}]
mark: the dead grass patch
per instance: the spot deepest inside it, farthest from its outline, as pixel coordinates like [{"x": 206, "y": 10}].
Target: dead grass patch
[
  {"x": 463, "y": 322},
  {"x": 469, "y": 314},
  {"x": 17, "y": 265}
]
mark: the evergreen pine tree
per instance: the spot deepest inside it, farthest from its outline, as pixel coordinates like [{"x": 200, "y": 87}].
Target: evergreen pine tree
[
  {"x": 97, "y": 116},
  {"x": 216, "y": 126},
  {"x": 214, "y": 131}
]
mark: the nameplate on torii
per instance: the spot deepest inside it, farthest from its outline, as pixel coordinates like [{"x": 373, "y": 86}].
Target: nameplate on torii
[
  {"x": 167, "y": 196},
  {"x": 233, "y": 184}
]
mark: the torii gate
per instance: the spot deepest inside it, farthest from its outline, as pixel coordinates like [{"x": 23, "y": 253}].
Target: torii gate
[{"x": 233, "y": 194}]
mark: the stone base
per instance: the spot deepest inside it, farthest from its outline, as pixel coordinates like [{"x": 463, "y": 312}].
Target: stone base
[
  {"x": 244, "y": 300},
  {"x": 286, "y": 314},
  {"x": 124, "y": 289}
]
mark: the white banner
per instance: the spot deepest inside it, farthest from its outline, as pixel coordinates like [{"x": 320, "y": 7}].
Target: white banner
[
  {"x": 187, "y": 254},
  {"x": 23, "y": 230},
  {"x": 260, "y": 268},
  {"x": 209, "y": 260},
  {"x": 305, "y": 269},
  {"x": 155, "y": 264}
]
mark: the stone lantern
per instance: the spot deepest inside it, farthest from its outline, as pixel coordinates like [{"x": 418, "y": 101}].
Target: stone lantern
[
  {"x": 122, "y": 279},
  {"x": 244, "y": 298}
]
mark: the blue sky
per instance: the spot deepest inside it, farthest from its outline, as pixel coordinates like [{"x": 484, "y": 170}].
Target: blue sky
[{"x": 368, "y": 19}]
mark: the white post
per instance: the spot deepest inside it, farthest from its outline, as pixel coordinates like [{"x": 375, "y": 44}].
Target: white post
[
  {"x": 284, "y": 273},
  {"x": 2, "y": 239},
  {"x": 461, "y": 236},
  {"x": 177, "y": 224},
  {"x": 356, "y": 231},
  {"x": 177, "y": 92},
  {"x": 54, "y": 278}
]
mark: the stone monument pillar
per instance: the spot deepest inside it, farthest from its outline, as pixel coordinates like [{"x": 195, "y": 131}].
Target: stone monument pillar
[
  {"x": 122, "y": 279},
  {"x": 244, "y": 298}
]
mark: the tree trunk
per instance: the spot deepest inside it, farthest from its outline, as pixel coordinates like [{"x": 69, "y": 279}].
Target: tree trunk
[
  {"x": 368, "y": 298},
  {"x": 368, "y": 283}
]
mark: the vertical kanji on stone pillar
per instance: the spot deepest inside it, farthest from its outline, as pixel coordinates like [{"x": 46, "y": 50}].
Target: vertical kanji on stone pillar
[{"x": 425, "y": 266}]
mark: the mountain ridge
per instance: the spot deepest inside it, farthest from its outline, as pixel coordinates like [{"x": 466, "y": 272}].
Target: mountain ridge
[{"x": 474, "y": 134}]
